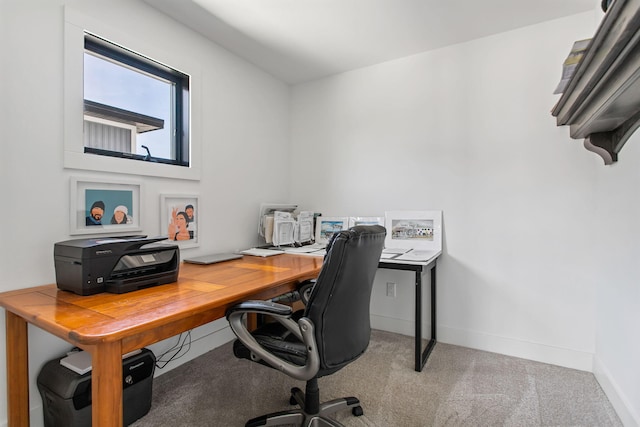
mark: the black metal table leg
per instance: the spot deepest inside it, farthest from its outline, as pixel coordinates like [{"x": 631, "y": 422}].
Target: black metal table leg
[
  {"x": 418, "y": 322},
  {"x": 421, "y": 356}
]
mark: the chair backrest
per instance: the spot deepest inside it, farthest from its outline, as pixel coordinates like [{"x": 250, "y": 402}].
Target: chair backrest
[{"x": 340, "y": 300}]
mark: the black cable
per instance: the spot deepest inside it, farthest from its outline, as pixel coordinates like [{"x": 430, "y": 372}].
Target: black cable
[{"x": 182, "y": 339}]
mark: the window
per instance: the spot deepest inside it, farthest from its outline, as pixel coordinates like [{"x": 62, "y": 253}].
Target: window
[
  {"x": 177, "y": 70},
  {"x": 134, "y": 107}
]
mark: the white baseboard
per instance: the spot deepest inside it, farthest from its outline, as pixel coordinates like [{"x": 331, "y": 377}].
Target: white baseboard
[
  {"x": 398, "y": 326},
  {"x": 496, "y": 344},
  {"x": 622, "y": 405},
  {"x": 538, "y": 352}
]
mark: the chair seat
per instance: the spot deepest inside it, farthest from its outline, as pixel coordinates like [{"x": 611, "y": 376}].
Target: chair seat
[
  {"x": 281, "y": 342},
  {"x": 278, "y": 340}
]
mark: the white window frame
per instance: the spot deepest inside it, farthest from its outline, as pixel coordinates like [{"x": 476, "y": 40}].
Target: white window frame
[{"x": 75, "y": 26}]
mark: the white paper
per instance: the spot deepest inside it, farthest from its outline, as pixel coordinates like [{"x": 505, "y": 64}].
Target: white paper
[
  {"x": 80, "y": 361},
  {"x": 387, "y": 255},
  {"x": 302, "y": 249},
  {"x": 417, "y": 255},
  {"x": 395, "y": 251},
  {"x": 268, "y": 229},
  {"x": 304, "y": 227},
  {"x": 283, "y": 228}
]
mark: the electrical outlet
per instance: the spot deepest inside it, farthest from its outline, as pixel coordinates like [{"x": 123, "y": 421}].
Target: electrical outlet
[{"x": 391, "y": 289}]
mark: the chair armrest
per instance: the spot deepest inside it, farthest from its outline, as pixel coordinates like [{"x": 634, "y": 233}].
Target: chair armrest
[
  {"x": 303, "y": 329},
  {"x": 261, "y": 307},
  {"x": 280, "y": 312}
]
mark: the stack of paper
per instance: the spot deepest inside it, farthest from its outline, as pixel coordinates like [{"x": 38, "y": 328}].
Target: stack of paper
[{"x": 80, "y": 361}]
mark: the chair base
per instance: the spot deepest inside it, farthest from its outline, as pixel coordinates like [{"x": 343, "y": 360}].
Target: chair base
[{"x": 302, "y": 418}]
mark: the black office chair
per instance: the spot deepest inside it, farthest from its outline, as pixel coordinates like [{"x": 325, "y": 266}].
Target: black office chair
[{"x": 332, "y": 331}]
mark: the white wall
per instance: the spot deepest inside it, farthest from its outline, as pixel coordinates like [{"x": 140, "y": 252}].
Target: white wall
[
  {"x": 616, "y": 232},
  {"x": 244, "y": 132},
  {"x": 467, "y": 129}
]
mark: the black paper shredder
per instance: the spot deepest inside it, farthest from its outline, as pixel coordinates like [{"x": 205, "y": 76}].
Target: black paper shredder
[{"x": 66, "y": 394}]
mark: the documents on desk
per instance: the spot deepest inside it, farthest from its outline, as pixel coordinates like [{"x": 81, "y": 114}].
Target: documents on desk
[
  {"x": 419, "y": 255},
  {"x": 412, "y": 236},
  {"x": 306, "y": 249},
  {"x": 390, "y": 254},
  {"x": 314, "y": 249},
  {"x": 284, "y": 227},
  {"x": 282, "y": 224}
]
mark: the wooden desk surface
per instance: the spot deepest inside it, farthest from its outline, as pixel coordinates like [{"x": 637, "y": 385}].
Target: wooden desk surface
[
  {"x": 201, "y": 290},
  {"x": 110, "y": 325}
]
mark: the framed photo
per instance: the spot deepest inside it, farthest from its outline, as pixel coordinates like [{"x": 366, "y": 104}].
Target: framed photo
[
  {"x": 366, "y": 220},
  {"x": 414, "y": 230},
  {"x": 179, "y": 219},
  {"x": 98, "y": 207},
  {"x": 327, "y": 226}
]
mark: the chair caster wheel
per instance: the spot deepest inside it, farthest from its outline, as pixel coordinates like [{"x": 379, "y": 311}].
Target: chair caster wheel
[{"x": 357, "y": 411}]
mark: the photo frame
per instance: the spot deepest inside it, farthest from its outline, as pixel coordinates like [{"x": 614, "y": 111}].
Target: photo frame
[
  {"x": 414, "y": 230},
  {"x": 179, "y": 219},
  {"x": 101, "y": 207},
  {"x": 327, "y": 226},
  {"x": 366, "y": 220}
]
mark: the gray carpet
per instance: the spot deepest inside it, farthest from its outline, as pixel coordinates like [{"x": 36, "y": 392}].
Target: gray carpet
[{"x": 458, "y": 387}]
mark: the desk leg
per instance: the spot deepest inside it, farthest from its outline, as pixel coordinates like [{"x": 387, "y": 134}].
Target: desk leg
[
  {"x": 420, "y": 356},
  {"x": 106, "y": 384},
  {"x": 433, "y": 303},
  {"x": 17, "y": 371}
]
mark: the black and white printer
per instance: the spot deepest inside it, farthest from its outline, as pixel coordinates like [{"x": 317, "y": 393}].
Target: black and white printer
[{"x": 114, "y": 264}]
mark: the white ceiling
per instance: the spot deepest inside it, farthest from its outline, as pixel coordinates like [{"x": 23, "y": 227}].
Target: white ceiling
[{"x": 302, "y": 40}]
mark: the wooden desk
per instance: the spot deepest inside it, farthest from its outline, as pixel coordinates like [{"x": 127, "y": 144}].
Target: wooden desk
[{"x": 110, "y": 325}]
